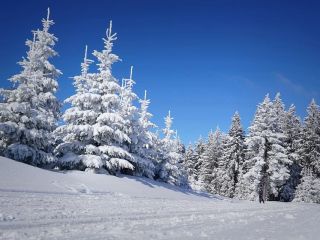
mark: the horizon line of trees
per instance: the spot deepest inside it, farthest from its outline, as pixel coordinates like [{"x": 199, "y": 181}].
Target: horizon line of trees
[
  {"x": 279, "y": 158},
  {"x": 108, "y": 129}
]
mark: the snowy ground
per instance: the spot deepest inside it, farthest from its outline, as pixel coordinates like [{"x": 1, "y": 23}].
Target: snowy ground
[{"x": 39, "y": 204}]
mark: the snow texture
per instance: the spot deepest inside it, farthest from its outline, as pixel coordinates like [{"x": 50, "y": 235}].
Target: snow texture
[{"x": 41, "y": 204}]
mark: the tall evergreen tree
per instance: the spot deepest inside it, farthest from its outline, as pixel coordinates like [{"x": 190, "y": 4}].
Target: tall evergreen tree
[
  {"x": 170, "y": 168},
  {"x": 266, "y": 160},
  {"x": 100, "y": 137},
  {"x": 29, "y": 112},
  {"x": 309, "y": 188},
  {"x": 142, "y": 145},
  {"x": 76, "y": 134},
  {"x": 232, "y": 157},
  {"x": 190, "y": 161},
  {"x": 147, "y": 139},
  {"x": 292, "y": 131},
  {"x": 210, "y": 162},
  {"x": 110, "y": 133},
  {"x": 310, "y": 145},
  {"x": 129, "y": 113},
  {"x": 199, "y": 149}
]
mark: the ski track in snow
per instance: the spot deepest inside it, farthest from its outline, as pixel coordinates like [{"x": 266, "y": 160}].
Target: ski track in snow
[{"x": 27, "y": 215}]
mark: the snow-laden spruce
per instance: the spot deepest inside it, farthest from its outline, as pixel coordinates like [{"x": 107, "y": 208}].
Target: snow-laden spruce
[
  {"x": 101, "y": 139},
  {"x": 310, "y": 145},
  {"x": 29, "y": 112},
  {"x": 309, "y": 188},
  {"x": 190, "y": 160},
  {"x": 193, "y": 163},
  {"x": 267, "y": 162},
  {"x": 210, "y": 162},
  {"x": 139, "y": 129},
  {"x": 292, "y": 130},
  {"x": 232, "y": 158},
  {"x": 75, "y": 137},
  {"x": 170, "y": 166},
  {"x": 144, "y": 149}
]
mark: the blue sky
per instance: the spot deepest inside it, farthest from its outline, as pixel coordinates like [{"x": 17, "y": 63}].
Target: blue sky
[{"x": 203, "y": 60}]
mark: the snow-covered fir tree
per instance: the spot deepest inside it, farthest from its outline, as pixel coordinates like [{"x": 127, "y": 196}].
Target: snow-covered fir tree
[
  {"x": 110, "y": 132},
  {"x": 193, "y": 163},
  {"x": 232, "y": 157},
  {"x": 309, "y": 188},
  {"x": 129, "y": 113},
  {"x": 190, "y": 161},
  {"x": 242, "y": 191},
  {"x": 142, "y": 146},
  {"x": 147, "y": 139},
  {"x": 210, "y": 162},
  {"x": 76, "y": 135},
  {"x": 103, "y": 132},
  {"x": 292, "y": 130},
  {"x": 170, "y": 167},
  {"x": 310, "y": 143},
  {"x": 199, "y": 149},
  {"x": 266, "y": 160},
  {"x": 279, "y": 154},
  {"x": 29, "y": 112}
]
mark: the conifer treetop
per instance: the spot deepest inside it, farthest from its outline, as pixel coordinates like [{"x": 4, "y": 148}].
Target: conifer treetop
[
  {"x": 145, "y": 95},
  {"x": 47, "y": 22},
  {"x": 106, "y": 58},
  {"x": 86, "y": 62}
]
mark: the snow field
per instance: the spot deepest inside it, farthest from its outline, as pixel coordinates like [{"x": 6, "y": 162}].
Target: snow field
[{"x": 40, "y": 204}]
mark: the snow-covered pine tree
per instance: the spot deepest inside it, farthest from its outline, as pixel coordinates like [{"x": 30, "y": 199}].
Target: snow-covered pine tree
[
  {"x": 292, "y": 131},
  {"x": 181, "y": 146},
  {"x": 310, "y": 144},
  {"x": 129, "y": 113},
  {"x": 242, "y": 190},
  {"x": 190, "y": 160},
  {"x": 147, "y": 139},
  {"x": 280, "y": 163},
  {"x": 96, "y": 133},
  {"x": 29, "y": 112},
  {"x": 256, "y": 152},
  {"x": 170, "y": 168},
  {"x": 309, "y": 188},
  {"x": 199, "y": 149},
  {"x": 210, "y": 161},
  {"x": 110, "y": 133},
  {"x": 266, "y": 160},
  {"x": 76, "y": 134},
  {"x": 232, "y": 157},
  {"x": 142, "y": 145}
]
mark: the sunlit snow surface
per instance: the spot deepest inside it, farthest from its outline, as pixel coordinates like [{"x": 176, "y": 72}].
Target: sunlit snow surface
[{"x": 40, "y": 204}]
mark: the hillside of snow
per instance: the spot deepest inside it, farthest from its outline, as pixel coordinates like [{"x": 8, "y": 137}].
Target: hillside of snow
[
  {"x": 16, "y": 176},
  {"x": 42, "y": 204}
]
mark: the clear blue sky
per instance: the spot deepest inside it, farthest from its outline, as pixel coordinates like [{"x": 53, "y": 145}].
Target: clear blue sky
[{"x": 203, "y": 60}]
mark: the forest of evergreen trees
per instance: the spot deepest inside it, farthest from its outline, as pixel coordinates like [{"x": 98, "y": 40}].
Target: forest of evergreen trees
[
  {"x": 108, "y": 129},
  {"x": 278, "y": 158}
]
